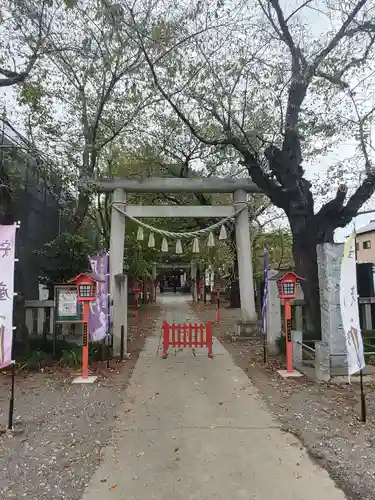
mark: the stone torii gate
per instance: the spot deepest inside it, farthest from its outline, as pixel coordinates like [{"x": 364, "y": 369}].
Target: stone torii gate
[{"x": 119, "y": 188}]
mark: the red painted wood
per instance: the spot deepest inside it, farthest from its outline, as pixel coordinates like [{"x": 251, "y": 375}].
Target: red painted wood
[
  {"x": 187, "y": 335},
  {"x": 201, "y": 335},
  {"x": 165, "y": 339}
]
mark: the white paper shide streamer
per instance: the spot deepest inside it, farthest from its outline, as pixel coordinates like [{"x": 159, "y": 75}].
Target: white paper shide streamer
[
  {"x": 164, "y": 245},
  {"x": 140, "y": 234},
  {"x": 223, "y": 233},
  {"x": 178, "y": 247},
  {"x": 151, "y": 241},
  {"x": 349, "y": 308},
  {"x": 211, "y": 240},
  {"x": 196, "y": 245}
]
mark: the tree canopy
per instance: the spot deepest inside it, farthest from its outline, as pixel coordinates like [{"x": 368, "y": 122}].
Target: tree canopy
[{"x": 247, "y": 87}]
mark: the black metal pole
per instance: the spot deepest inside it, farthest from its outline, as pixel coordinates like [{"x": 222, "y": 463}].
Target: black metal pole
[
  {"x": 264, "y": 348},
  {"x": 122, "y": 343},
  {"x": 11, "y": 402},
  {"x": 108, "y": 350},
  {"x": 363, "y": 399}
]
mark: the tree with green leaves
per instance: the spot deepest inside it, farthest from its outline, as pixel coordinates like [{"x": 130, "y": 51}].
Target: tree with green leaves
[
  {"x": 274, "y": 87},
  {"x": 26, "y": 30},
  {"x": 84, "y": 92},
  {"x": 64, "y": 257},
  {"x": 279, "y": 243}
]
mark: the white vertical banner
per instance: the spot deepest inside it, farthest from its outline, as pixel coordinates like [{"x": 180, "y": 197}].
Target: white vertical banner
[
  {"x": 7, "y": 251},
  {"x": 349, "y": 308}
]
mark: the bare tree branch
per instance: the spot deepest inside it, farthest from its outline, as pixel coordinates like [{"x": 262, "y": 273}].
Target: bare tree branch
[{"x": 341, "y": 33}]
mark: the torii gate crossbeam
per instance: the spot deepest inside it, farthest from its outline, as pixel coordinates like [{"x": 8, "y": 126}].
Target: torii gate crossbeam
[{"x": 240, "y": 189}]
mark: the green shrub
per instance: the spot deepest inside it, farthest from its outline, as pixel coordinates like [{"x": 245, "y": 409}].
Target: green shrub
[
  {"x": 281, "y": 343},
  {"x": 71, "y": 357},
  {"x": 40, "y": 354}
]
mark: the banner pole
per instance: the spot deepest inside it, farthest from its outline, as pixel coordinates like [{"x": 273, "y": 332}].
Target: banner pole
[
  {"x": 264, "y": 304},
  {"x": 108, "y": 340},
  {"x": 11, "y": 401},
  {"x": 363, "y": 398}
]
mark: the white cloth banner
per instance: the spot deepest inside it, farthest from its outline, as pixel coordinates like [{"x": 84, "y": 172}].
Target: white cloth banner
[
  {"x": 349, "y": 308},
  {"x": 7, "y": 248}
]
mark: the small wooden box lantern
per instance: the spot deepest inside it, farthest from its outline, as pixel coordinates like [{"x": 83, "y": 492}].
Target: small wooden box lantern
[
  {"x": 86, "y": 286},
  {"x": 287, "y": 285}
]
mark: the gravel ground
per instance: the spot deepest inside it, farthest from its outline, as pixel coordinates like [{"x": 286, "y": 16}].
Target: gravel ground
[
  {"x": 64, "y": 426},
  {"x": 325, "y": 417}
]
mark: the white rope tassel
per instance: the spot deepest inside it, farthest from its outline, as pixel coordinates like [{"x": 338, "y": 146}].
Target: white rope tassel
[
  {"x": 223, "y": 233},
  {"x": 140, "y": 234},
  {"x": 178, "y": 247},
  {"x": 196, "y": 245},
  {"x": 164, "y": 245},
  {"x": 211, "y": 240},
  {"x": 151, "y": 241}
]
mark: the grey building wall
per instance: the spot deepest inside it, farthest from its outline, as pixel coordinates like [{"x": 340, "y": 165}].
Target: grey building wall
[{"x": 37, "y": 204}]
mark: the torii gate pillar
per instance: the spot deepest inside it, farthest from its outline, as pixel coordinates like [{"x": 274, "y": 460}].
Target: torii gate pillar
[
  {"x": 119, "y": 297},
  {"x": 245, "y": 265}
]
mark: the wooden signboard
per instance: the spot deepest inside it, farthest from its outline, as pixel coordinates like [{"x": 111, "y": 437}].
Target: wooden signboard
[{"x": 68, "y": 309}]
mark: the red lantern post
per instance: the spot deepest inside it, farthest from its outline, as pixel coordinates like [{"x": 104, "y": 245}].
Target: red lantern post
[
  {"x": 288, "y": 291},
  {"x": 86, "y": 293}
]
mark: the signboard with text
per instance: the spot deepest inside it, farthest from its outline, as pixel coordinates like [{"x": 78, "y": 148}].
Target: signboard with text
[{"x": 68, "y": 309}]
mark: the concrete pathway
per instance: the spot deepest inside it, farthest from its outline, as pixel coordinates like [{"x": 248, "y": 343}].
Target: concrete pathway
[{"x": 195, "y": 428}]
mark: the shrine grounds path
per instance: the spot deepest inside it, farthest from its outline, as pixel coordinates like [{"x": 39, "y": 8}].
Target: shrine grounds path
[{"x": 194, "y": 428}]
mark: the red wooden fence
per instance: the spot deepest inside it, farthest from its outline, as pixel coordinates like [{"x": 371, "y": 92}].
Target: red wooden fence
[{"x": 180, "y": 335}]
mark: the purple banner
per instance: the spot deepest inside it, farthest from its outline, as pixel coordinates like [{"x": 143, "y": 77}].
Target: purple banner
[{"x": 98, "y": 315}]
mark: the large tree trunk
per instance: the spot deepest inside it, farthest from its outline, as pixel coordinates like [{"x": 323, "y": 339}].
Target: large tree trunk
[
  {"x": 305, "y": 258},
  {"x": 306, "y": 266}
]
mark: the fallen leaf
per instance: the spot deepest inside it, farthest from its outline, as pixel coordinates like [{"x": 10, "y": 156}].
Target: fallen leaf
[
  {"x": 140, "y": 454},
  {"x": 113, "y": 486}
]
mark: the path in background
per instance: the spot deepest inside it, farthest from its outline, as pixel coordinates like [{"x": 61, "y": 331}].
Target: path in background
[{"x": 195, "y": 428}]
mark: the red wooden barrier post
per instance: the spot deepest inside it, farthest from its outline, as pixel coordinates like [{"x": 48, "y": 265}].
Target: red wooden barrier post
[
  {"x": 187, "y": 335},
  {"x": 165, "y": 339}
]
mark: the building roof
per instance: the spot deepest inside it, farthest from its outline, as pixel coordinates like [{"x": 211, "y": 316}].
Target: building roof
[{"x": 369, "y": 228}]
